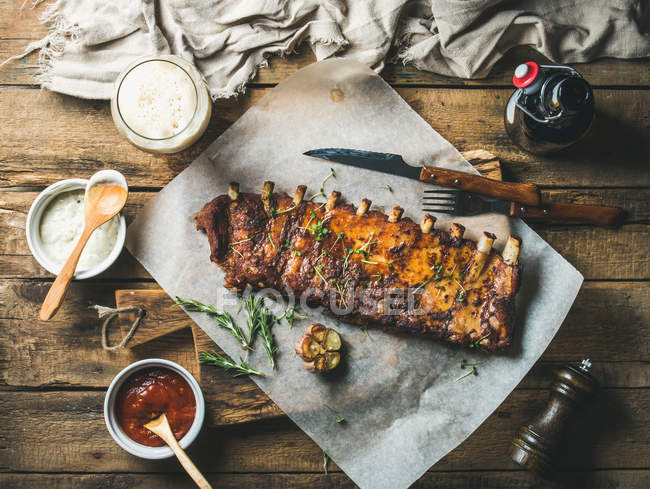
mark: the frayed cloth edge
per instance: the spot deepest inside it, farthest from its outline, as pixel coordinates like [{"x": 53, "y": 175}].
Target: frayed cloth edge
[{"x": 52, "y": 45}]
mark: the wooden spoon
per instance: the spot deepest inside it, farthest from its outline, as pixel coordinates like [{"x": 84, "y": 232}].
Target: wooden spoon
[
  {"x": 160, "y": 426},
  {"x": 101, "y": 203}
]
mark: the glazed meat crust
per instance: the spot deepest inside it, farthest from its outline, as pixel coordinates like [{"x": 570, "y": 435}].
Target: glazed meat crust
[{"x": 365, "y": 269}]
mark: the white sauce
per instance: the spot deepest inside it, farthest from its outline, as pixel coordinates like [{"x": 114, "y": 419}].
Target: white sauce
[
  {"x": 61, "y": 225},
  {"x": 157, "y": 99}
]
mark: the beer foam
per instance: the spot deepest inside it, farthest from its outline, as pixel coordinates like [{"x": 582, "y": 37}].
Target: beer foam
[{"x": 157, "y": 99}]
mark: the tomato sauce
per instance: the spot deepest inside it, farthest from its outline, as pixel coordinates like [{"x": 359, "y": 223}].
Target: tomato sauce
[{"x": 148, "y": 393}]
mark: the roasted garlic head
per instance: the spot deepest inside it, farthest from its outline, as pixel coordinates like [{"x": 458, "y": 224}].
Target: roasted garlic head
[{"x": 319, "y": 348}]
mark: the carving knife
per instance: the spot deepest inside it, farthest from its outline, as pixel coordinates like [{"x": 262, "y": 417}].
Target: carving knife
[{"x": 525, "y": 193}]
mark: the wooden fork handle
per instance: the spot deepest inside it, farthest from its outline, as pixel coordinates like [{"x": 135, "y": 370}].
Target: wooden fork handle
[
  {"x": 526, "y": 193},
  {"x": 599, "y": 215},
  {"x": 60, "y": 286}
]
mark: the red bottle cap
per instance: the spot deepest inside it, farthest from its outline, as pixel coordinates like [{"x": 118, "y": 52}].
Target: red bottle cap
[{"x": 525, "y": 74}]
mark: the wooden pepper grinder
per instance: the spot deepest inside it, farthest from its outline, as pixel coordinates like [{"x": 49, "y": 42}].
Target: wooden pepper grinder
[{"x": 535, "y": 445}]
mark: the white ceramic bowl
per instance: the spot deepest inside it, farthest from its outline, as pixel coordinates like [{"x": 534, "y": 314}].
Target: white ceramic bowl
[
  {"x": 122, "y": 438},
  {"x": 32, "y": 229}
]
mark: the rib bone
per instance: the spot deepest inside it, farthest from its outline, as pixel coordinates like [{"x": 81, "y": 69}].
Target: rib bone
[
  {"x": 300, "y": 194},
  {"x": 333, "y": 199},
  {"x": 427, "y": 223},
  {"x": 511, "y": 251},
  {"x": 395, "y": 214},
  {"x": 233, "y": 190},
  {"x": 480, "y": 257},
  {"x": 267, "y": 190},
  {"x": 363, "y": 207}
]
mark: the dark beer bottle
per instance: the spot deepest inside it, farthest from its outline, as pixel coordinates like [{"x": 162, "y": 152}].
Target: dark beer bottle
[{"x": 551, "y": 109}]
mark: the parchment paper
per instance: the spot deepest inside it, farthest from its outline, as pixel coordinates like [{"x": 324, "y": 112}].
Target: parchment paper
[{"x": 403, "y": 409}]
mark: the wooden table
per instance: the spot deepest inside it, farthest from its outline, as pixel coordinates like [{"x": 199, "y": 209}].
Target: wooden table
[{"x": 53, "y": 375}]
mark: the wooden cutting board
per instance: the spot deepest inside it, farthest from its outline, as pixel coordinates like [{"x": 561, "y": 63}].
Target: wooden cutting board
[{"x": 229, "y": 400}]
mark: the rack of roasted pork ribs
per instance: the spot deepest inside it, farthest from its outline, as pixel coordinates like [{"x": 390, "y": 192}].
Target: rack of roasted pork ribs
[{"x": 365, "y": 267}]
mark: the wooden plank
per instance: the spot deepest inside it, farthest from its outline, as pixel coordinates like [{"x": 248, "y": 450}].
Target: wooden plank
[
  {"x": 610, "y": 434},
  {"x": 629, "y": 479},
  {"x": 23, "y": 25},
  {"x": 47, "y": 137},
  {"x": 160, "y": 320},
  {"x": 598, "y": 253},
  {"x": 608, "y": 323}
]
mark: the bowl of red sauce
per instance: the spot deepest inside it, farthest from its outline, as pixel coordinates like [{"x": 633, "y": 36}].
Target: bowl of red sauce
[{"x": 143, "y": 391}]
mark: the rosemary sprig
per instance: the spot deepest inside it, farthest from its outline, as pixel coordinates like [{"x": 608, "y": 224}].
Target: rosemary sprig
[
  {"x": 339, "y": 419},
  {"x": 266, "y": 323},
  {"x": 253, "y": 306},
  {"x": 271, "y": 241},
  {"x": 369, "y": 262},
  {"x": 237, "y": 369},
  {"x": 387, "y": 187},
  {"x": 472, "y": 370},
  {"x": 223, "y": 319}
]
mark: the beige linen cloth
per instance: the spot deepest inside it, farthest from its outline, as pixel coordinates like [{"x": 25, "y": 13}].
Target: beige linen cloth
[{"x": 90, "y": 41}]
